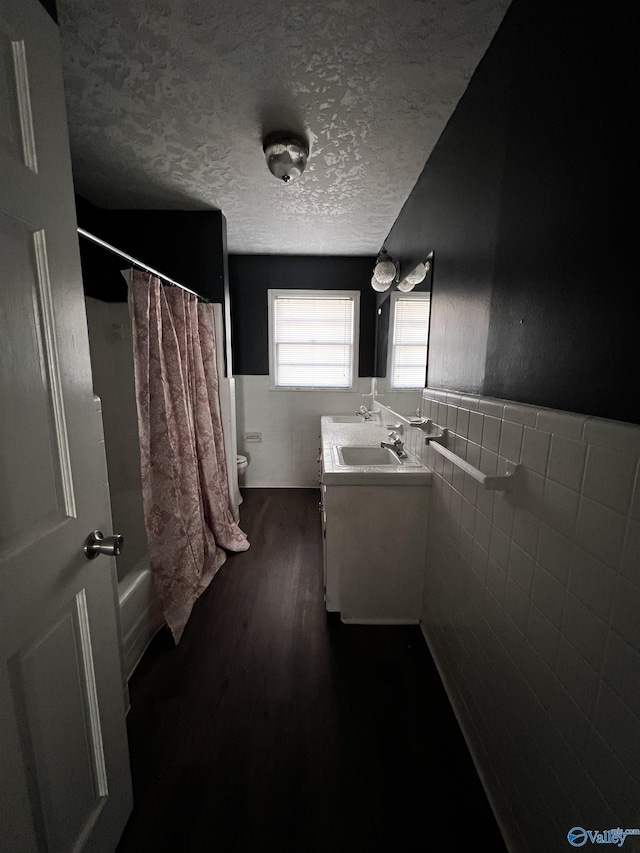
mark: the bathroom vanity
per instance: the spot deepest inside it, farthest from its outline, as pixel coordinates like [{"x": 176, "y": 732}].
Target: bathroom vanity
[{"x": 374, "y": 525}]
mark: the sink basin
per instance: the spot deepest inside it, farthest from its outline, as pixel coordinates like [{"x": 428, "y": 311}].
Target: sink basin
[
  {"x": 367, "y": 456},
  {"x": 349, "y": 419}
]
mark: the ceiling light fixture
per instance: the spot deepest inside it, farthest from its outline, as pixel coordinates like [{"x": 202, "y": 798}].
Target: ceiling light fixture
[
  {"x": 286, "y": 154},
  {"x": 417, "y": 275}
]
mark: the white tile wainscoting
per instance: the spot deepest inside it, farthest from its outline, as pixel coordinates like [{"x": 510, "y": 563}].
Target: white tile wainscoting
[
  {"x": 532, "y": 597},
  {"x": 532, "y": 612},
  {"x": 289, "y": 426}
]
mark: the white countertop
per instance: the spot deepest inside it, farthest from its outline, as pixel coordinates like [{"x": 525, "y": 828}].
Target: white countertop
[{"x": 409, "y": 472}]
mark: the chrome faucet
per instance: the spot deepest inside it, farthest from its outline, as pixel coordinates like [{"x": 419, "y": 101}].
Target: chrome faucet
[
  {"x": 395, "y": 445},
  {"x": 364, "y": 413}
]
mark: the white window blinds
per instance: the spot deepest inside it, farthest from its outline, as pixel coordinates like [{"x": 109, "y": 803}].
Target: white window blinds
[
  {"x": 313, "y": 339},
  {"x": 410, "y": 337}
]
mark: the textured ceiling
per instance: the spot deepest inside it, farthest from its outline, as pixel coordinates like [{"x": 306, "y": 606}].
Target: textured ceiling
[{"x": 168, "y": 102}]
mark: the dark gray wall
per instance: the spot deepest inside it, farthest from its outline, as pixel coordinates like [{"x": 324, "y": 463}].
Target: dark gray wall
[
  {"x": 525, "y": 202},
  {"x": 251, "y": 276},
  {"x": 187, "y": 246},
  {"x": 50, "y": 6}
]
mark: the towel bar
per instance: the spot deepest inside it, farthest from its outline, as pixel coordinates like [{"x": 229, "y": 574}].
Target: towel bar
[
  {"x": 426, "y": 425},
  {"x": 497, "y": 482}
]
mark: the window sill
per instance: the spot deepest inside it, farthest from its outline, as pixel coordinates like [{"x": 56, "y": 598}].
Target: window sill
[{"x": 351, "y": 390}]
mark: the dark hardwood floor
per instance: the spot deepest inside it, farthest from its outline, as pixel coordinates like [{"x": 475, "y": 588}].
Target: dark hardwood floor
[{"x": 273, "y": 727}]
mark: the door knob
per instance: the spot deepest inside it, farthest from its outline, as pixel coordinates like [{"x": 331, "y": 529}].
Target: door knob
[{"x": 96, "y": 544}]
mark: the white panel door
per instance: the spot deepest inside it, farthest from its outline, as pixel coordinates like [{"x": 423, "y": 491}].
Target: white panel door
[{"x": 64, "y": 764}]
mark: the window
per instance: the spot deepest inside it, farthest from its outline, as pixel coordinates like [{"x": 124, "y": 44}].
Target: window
[
  {"x": 313, "y": 338},
  {"x": 409, "y": 323}
]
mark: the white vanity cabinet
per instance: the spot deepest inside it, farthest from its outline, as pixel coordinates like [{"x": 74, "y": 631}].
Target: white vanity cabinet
[
  {"x": 374, "y": 536},
  {"x": 374, "y": 552}
]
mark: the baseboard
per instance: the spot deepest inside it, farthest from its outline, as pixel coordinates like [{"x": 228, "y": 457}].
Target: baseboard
[
  {"x": 287, "y": 484},
  {"x": 497, "y": 812},
  {"x": 138, "y": 639},
  {"x": 389, "y": 621}
]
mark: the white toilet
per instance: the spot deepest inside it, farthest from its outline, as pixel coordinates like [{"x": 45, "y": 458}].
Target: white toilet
[{"x": 243, "y": 462}]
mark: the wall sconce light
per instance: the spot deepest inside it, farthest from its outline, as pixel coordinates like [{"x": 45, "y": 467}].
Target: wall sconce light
[
  {"x": 385, "y": 272},
  {"x": 417, "y": 274}
]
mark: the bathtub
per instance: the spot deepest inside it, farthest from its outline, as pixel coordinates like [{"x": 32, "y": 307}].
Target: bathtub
[
  {"x": 116, "y": 426},
  {"x": 140, "y": 614}
]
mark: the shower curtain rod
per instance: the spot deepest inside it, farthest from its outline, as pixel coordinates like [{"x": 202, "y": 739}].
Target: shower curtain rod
[{"x": 137, "y": 263}]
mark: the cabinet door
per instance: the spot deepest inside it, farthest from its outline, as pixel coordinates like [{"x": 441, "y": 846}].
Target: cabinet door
[
  {"x": 375, "y": 546},
  {"x": 331, "y": 548},
  {"x": 323, "y": 518}
]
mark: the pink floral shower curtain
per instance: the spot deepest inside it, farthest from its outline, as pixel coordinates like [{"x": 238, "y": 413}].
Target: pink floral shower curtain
[{"x": 184, "y": 473}]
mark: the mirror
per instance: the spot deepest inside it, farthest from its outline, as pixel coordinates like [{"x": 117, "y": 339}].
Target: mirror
[
  {"x": 401, "y": 351},
  {"x": 404, "y": 403}
]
